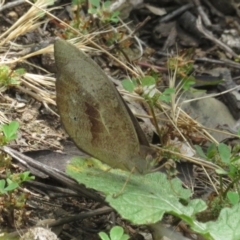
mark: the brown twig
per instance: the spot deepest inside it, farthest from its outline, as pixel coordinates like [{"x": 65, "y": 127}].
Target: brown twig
[
  {"x": 201, "y": 12},
  {"x": 176, "y": 13},
  {"x": 210, "y": 36}
]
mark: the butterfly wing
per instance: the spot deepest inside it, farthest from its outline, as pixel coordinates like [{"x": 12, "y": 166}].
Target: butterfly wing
[{"x": 92, "y": 112}]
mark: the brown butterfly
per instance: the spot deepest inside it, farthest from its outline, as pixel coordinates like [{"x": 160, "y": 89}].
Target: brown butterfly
[{"x": 94, "y": 114}]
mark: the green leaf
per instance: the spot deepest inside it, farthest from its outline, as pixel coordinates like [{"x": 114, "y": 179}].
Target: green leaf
[
  {"x": 212, "y": 150},
  {"x": 75, "y": 2},
  {"x": 103, "y": 236},
  {"x": 187, "y": 84},
  {"x": 233, "y": 171},
  {"x": 117, "y": 233},
  {"x": 128, "y": 85},
  {"x": 10, "y": 130},
  {"x": 145, "y": 198},
  {"x": 92, "y": 10},
  {"x": 9, "y": 181},
  {"x": 114, "y": 20},
  {"x": 227, "y": 224},
  {"x": 200, "y": 151},
  {"x": 225, "y": 152},
  {"x": 169, "y": 91},
  {"x": 25, "y": 176},
  {"x": 148, "y": 81},
  {"x": 13, "y": 81},
  {"x": 166, "y": 95},
  {"x": 235, "y": 158},
  {"x": 2, "y": 186},
  {"x": 115, "y": 14},
  {"x": 221, "y": 172},
  {"x": 165, "y": 98},
  {"x": 20, "y": 71},
  {"x": 233, "y": 197},
  {"x": 95, "y": 3},
  {"x": 106, "y": 4},
  {"x": 12, "y": 186}
]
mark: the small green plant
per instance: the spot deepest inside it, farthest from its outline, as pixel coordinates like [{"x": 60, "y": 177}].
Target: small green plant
[
  {"x": 9, "y": 132},
  {"x": 11, "y": 196},
  {"x": 228, "y": 159},
  {"x": 13, "y": 181},
  {"x": 116, "y": 233},
  {"x": 101, "y": 10},
  {"x": 146, "y": 87},
  {"x": 182, "y": 66},
  {"x": 9, "y": 77},
  {"x": 85, "y": 24}
]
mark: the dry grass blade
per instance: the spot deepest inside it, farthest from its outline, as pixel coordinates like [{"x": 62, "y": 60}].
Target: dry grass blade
[
  {"x": 41, "y": 87},
  {"x": 3, "y": 118},
  {"x": 26, "y": 23}
]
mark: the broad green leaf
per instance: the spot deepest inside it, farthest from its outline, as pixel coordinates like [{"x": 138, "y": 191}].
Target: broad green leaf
[
  {"x": 225, "y": 152},
  {"x": 233, "y": 197},
  {"x": 227, "y": 225},
  {"x": 145, "y": 198}
]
